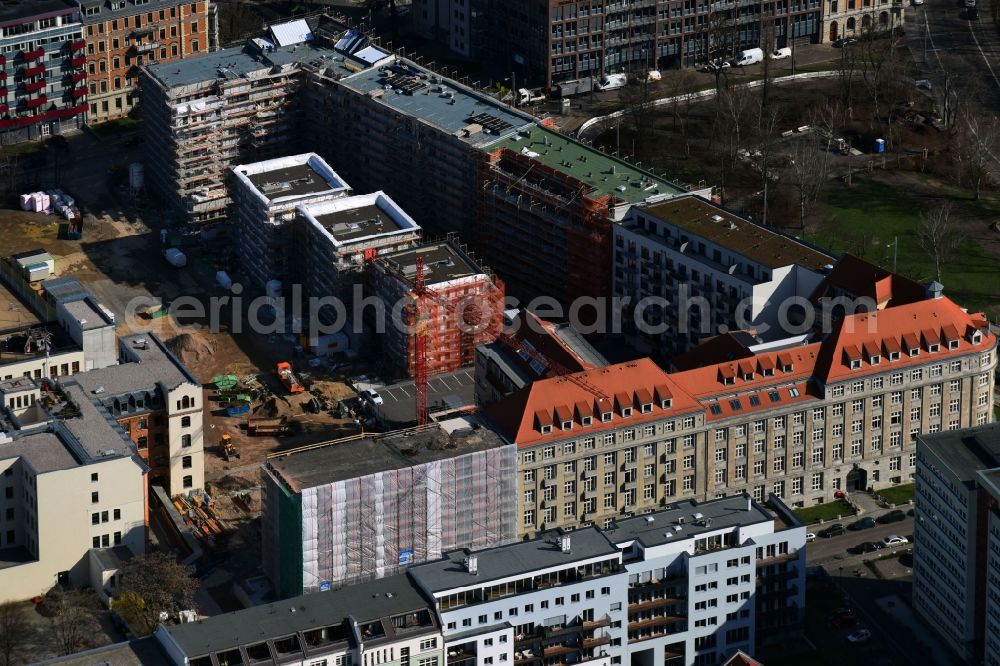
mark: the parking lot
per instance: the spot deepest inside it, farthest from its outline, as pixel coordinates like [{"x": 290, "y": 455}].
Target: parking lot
[{"x": 447, "y": 391}]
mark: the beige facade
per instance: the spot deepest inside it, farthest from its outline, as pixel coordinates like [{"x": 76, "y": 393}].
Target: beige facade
[{"x": 853, "y": 18}]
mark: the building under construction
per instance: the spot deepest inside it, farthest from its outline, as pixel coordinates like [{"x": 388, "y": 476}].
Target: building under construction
[
  {"x": 369, "y": 506},
  {"x": 235, "y": 106},
  {"x": 265, "y": 197},
  {"x": 545, "y": 210},
  {"x": 462, "y": 306},
  {"x": 338, "y": 237}
]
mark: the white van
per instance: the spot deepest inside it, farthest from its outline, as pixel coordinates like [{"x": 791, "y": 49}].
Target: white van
[
  {"x": 782, "y": 53},
  {"x": 749, "y": 57},
  {"x": 612, "y": 82}
]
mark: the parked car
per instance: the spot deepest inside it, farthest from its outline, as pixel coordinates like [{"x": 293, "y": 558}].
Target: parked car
[
  {"x": 810, "y": 536},
  {"x": 372, "y": 396},
  {"x": 865, "y": 523},
  {"x": 832, "y": 531},
  {"x": 844, "y": 41},
  {"x": 893, "y": 541},
  {"x": 782, "y": 53},
  {"x": 865, "y": 547},
  {"x": 859, "y": 636},
  {"x": 891, "y": 517},
  {"x": 749, "y": 57}
]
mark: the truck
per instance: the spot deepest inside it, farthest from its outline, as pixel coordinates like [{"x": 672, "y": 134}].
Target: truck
[
  {"x": 288, "y": 378},
  {"x": 267, "y": 427},
  {"x": 612, "y": 81},
  {"x": 526, "y": 96},
  {"x": 572, "y": 87}
]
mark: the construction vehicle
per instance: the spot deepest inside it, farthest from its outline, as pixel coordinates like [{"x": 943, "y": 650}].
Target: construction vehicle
[
  {"x": 229, "y": 450},
  {"x": 288, "y": 378},
  {"x": 267, "y": 427}
]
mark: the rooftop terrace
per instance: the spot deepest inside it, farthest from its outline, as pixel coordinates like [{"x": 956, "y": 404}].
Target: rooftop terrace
[
  {"x": 361, "y": 456},
  {"x": 607, "y": 175},
  {"x": 447, "y": 106}
]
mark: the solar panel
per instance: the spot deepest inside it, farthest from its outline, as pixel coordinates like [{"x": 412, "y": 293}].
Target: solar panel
[
  {"x": 490, "y": 122},
  {"x": 408, "y": 84}
]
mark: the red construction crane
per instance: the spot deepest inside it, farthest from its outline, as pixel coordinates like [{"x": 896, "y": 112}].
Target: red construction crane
[{"x": 420, "y": 291}]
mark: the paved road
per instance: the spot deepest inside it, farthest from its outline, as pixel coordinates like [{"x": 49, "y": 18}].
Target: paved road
[
  {"x": 455, "y": 389},
  {"x": 833, "y": 551}
]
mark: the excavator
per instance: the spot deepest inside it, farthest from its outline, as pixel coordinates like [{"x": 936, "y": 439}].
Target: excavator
[{"x": 229, "y": 449}]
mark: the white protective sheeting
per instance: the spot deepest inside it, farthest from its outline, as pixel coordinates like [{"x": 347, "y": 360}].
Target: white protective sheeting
[{"x": 293, "y": 32}]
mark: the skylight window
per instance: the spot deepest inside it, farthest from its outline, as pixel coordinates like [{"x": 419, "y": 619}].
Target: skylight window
[
  {"x": 774, "y": 396},
  {"x": 755, "y": 401},
  {"x": 715, "y": 408},
  {"x": 736, "y": 405},
  {"x": 793, "y": 392}
]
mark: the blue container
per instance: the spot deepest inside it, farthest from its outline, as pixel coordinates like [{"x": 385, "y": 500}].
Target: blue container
[{"x": 879, "y": 145}]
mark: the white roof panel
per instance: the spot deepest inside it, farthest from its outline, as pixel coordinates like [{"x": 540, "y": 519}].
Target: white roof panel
[{"x": 293, "y": 32}]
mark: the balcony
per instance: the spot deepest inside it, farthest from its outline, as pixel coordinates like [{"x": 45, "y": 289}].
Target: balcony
[
  {"x": 4, "y": 108},
  {"x": 77, "y": 45},
  {"x": 657, "y": 602},
  {"x": 35, "y": 86},
  {"x": 143, "y": 31},
  {"x": 658, "y": 621},
  {"x": 78, "y": 61},
  {"x": 145, "y": 48},
  {"x": 37, "y": 102},
  {"x": 37, "y": 70},
  {"x": 79, "y": 76},
  {"x": 79, "y": 92},
  {"x": 462, "y": 654},
  {"x": 33, "y": 54},
  {"x": 778, "y": 559}
]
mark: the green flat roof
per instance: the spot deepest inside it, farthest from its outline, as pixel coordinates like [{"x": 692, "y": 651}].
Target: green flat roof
[{"x": 606, "y": 174}]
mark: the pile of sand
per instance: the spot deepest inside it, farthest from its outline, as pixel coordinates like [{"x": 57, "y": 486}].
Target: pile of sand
[{"x": 190, "y": 348}]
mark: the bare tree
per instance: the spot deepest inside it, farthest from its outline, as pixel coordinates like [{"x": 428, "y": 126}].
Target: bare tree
[
  {"x": 808, "y": 173},
  {"x": 14, "y": 628},
  {"x": 722, "y": 38},
  {"x": 638, "y": 106},
  {"x": 977, "y": 140},
  {"x": 764, "y": 140},
  {"x": 938, "y": 237},
  {"x": 152, "y": 584},
  {"x": 876, "y": 54},
  {"x": 847, "y": 75},
  {"x": 72, "y": 625}
]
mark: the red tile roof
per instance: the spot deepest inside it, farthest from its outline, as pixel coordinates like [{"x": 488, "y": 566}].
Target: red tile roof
[{"x": 741, "y": 658}]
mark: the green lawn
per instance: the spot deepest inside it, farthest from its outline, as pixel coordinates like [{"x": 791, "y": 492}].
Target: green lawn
[
  {"x": 828, "y": 511},
  {"x": 898, "y": 494},
  {"x": 868, "y": 217}
]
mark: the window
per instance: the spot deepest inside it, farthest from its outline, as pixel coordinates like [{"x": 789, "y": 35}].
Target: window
[
  {"x": 186, "y": 462},
  {"x": 185, "y": 421},
  {"x": 188, "y": 482},
  {"x": 529, "y": 518},
  {"x": 817, "y": 456},
  {"x": 817, "y": 481},
  {"x": 94, "y": 498},
  {"x": 185, "y": 441},
  {"x": 741, "y": 472},
  {"x": 95, "y": 518}
]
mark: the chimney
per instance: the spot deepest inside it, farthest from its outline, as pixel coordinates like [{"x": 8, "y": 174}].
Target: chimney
[
  {"x": 472, "y": 565},
  {"x": 749, "y": 504},
  {"x": 564, "y": 543},
  {"x": 935, "y": 289}
]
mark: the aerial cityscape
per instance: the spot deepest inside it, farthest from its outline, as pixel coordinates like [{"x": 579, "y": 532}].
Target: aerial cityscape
[{"x": 499, "y": 332}]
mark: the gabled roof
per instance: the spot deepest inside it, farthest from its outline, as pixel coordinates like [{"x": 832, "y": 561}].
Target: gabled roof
[
  {"x": 741, "y": 658},
  {"x": 520, "y": 415},
  {"x": 855, "y": 277},
  {"x": 728, "y": 346}
]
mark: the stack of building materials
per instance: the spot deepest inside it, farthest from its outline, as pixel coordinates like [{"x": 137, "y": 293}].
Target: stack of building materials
[{"x": 46, "y": 202}]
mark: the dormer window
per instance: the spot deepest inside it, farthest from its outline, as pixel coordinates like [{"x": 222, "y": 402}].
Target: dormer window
[
  {"x": 914, "y": 351},
  {"x": 626, "y": 411},
  {"x": 894, "y": 356},
  {"x": 748, "y": 376},
  {"x": 875, "y": 360},
  {"x": 665, "y": 404},
  {"x": 768, "y": 372},
  {"x": 933, "y": 348},
  {"x": 586, "y": 420},
  {"x": 786, "y": 368},
  {"x": 953, "y": 344},
  {"x": 855, "y": 363},
  {"x": 728, "y": 381},
  {"x": 546, "y": 429},
  {"x": 606, "y": 417},
  {"x": 646, "y": 407},
  {"x": 977, "y": 337},
  {"x": 566, "y": 425}
]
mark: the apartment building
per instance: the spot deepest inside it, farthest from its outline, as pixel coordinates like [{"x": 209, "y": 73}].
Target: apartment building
[
  {"x": 956, "y": 539},
  {"x": 71, "y": 482},
  {"x": 369, "y": 506},
  {"x": 855, "y": 18},
  {"x": 689, "y": 268},
  {"x": 229, "y": 107},
  {"x": 156, "y": 401},
  {"x": 340, "y": 237},
  {"x": 547, "y": 42},
  {"x": 560, "y": 598},
  {"x": 42, "y": 63},
  {"x": 124, "y": 35},
  {"x": 462, "y": 306},
  {"x": 385, "y": 621},
  {"x": 528, "y": 349},
  {"x": 801, "y": 418},
  {"x": 265, "y": 196},
  {"x": 445, "y": 21}
]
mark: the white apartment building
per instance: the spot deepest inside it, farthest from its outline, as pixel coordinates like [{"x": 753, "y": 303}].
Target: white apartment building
[
  {"x": 956, "y": 537},
  {"x": 560, "y": 598},
  {"x": 705, "y": 261},
  {"x": 67, "y": 486}
]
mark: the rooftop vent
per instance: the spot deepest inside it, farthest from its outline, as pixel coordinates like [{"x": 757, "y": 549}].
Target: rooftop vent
[
  {"x": 650, "y": 519},
  {"x": 717, "y": 218},
  {"x": 564, "y": 543},
  {"x": 472, "y": 565}
]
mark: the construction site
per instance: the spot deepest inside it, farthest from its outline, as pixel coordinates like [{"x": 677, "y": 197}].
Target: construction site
[{"x": 368, "y": 506}]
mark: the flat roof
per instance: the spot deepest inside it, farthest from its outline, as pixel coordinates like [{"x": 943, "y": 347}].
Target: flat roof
[
  {"x": 146, "y": 361},
  {"x": 652, "y": 529},
  {"x": 292, "y": 177},
  {"x": 764, "y": 245},
  {"x": 443, "y": 104},
  {"x": 64, "y": 289},
  {"x": 523, "y": 557},
  {"x": 16, "y": 384},
  {"x": 341, "y": 460},
  {"x": 365, "y": 602},
  {"x": 347, "y": 219},
  {"x": 130, "y": 8},
  {"x": 85, "y": 313},
  {"x": 96, "y": 431},
  {"x": 607, "y": 175},
  {"x": 44, "y": 451},
  {"x": 15, "y": 315},
  {"x": 442, "y": 262},
  {"x": 966, "y": 451},
  {"x": 10, "y": 12},
  {"x": 145, "y": 651}
]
